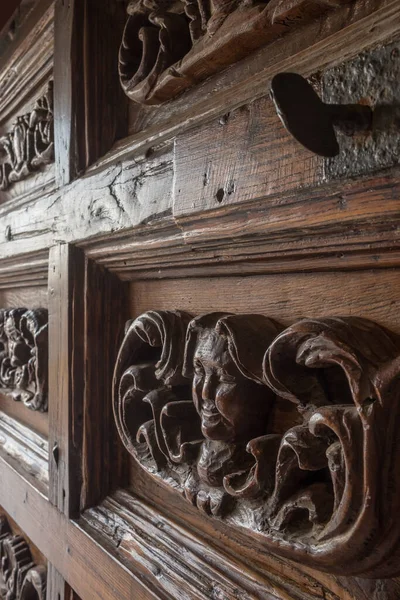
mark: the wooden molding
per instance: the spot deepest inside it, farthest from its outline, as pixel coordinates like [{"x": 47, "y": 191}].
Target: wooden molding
[
  {"x": 316, "y": 493},
  {"x": 27, "y": 447},
  {"x": 20, "y": 578}
]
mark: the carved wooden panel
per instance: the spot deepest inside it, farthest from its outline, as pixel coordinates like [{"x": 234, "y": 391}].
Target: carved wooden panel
[
  {"x": 24, "y": 356},
  {"x": 30, "y": 143},
  {"x": 20, "y": 578},
  {"x": 192, "y": 400},
  {"x": 168, "y": 46}
]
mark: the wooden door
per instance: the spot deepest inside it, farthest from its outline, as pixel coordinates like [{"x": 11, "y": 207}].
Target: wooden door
[{"x": 199, "y": 324}]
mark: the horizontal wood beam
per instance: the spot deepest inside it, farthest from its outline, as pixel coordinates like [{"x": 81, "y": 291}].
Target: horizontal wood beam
[{"x": 78, "y": 558}]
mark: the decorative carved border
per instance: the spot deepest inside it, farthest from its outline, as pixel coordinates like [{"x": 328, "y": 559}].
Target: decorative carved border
[
  {"x": 20, "y": 578},
  {"x": 325, "y": 492},
  {"x": 30, "y": 143},
  {"x": 169, "y": 46},
  {"x": 24, "y": 356}
]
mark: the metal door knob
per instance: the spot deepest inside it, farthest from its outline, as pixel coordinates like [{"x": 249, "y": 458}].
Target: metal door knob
[{"x": 310, "y": 121}]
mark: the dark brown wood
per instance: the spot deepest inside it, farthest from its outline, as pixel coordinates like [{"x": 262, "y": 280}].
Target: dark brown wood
[
  {"x": 166, "y": 49},
  {"x": 20, "y": 578},
  {"x": 309, "y": 491},
  {"x": 106, "y": 302},
  {"x": 88, "y": 98},
  {"x": 23, "y": 357},
  {"x": 30, "y": 144},
  {"x": 7, "y": 11},
  {"x": 208, "y": 206},
  {"x": 66, "y": 343}
]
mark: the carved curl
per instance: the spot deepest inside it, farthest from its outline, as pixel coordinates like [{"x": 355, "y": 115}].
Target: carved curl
[
  {"x": 24, "y": 356},
  {"x": 325, "y": 491},
  {"x": 20, "y": 578},
  {"x": 30, "y": 143}
]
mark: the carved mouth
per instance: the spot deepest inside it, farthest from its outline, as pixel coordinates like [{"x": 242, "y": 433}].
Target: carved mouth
[{"x": 211, "y": 416}]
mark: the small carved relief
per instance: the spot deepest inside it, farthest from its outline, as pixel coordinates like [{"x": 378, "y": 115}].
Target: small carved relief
[
  {"x": 20, "y": 578},
  {"x": 24, "y": 356},
  {"x": 30, "y": 143},
  {"x": 194, "y": 400},
  {"x": 168, "y": 45}
]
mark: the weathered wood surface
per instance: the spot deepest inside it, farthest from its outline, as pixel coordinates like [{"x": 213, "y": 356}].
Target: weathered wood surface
[
  {"x": 80, "y": 561},
  {"x": 66, "y": 342},
  {"x": 27, "y": 447},
  {"x": 88, "y": 98},
  {"x": 152, "y": 209},
  {"x": 105, "y": 312}
]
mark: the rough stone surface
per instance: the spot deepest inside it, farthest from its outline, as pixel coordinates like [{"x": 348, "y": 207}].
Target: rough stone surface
[{"x": 372, "y": 78}]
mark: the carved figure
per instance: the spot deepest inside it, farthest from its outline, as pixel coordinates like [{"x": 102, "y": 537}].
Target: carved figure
[
  {"x": 30, "y": 144},
  {"x": 312, "y": 493},
  {"x": 24, "y": 356},
  {"x": 20, "y": 578}
]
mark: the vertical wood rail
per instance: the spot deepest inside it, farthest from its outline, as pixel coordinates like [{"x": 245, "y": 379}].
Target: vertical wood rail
[
  {"x": 106, "y": 310},
  {"x": 89, "y": 105},
  {"x": 57, "y": 589},
  {"x": 66, "y": 342}
]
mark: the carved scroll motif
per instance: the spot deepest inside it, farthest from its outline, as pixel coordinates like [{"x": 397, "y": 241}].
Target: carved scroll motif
[
  {"x": 20, "y": 578},
  {"x": 30, "y": 143},
  {"x": 194, "y": 401},
  {"x": 168, "y": 45},
  {"x": 24, "y": 356}
]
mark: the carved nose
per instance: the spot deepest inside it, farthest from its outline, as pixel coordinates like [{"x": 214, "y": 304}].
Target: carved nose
[{"x": 208, "y": 387}]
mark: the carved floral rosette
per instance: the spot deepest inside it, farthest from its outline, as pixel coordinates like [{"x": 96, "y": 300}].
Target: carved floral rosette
[
  {"x": 20, "y": 578},
  {"x": 194, "y": 401},
  {"x": 24, "y": 356},
  {"x": 30, "y": 143}
]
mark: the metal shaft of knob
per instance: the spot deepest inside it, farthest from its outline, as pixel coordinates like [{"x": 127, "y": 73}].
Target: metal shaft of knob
[{"x": 311, "y": 121}]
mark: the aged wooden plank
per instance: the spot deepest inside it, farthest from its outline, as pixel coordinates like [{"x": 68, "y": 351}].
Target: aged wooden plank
[
  {"x": 285, "y": 297},
  {"x": 90, "y": 569},
  {"x": 56, "y": 586},
  {"x": 27, "y": 447},
  {"x": 242, "y": 156},
  {"x": 66, "y": 342},
  {"x": 88, "y": 99},
  {"x": 106, "y": 310}
]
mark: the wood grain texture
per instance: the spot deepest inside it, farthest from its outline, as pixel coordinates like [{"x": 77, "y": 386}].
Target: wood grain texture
[
  {"x": 28, "y": 60},
  {"x": 88, "y": 99},
  {"x": 66, "y": 342},
  {"x": 37, "y": 421},
  {"x": 56, "y": 586},
  {"x": 312, "y": 48},
  {"x": 27, "y": 447},
  {"x": 285, "y": 298},
  {"x": 143, "y": 536},
  {"x": 105, "y": 313},
  {"x": 90, "y": 570},
  {"x": 246, "y": 154}
]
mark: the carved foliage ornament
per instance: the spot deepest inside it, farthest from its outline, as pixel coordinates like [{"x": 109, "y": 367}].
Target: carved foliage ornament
[
  {"x": 194, "y": 403},
  {"x": 24, "y": 356},
  {"x": 30, "y": 143},
  {"x": 168, "y": 45},
  {"x": 20, "y": 578}
]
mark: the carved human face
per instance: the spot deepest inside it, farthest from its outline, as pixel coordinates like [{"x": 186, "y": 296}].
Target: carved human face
[{"x": 231, "y": 407}]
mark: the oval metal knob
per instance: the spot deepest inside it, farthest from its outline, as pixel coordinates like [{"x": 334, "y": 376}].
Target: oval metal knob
[{"x": 310, "y": 121}]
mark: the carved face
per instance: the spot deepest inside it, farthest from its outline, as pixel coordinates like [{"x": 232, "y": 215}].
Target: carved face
[{"x": 231, "y": 407}]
